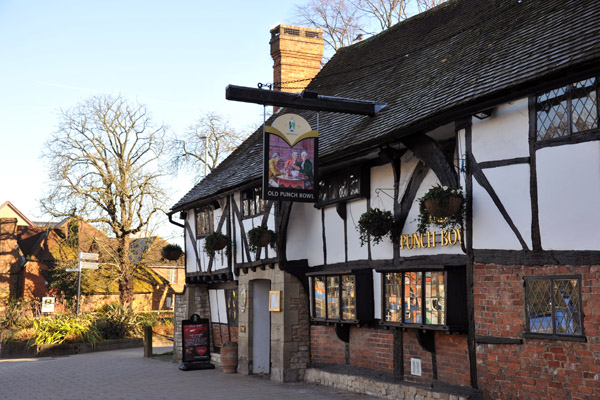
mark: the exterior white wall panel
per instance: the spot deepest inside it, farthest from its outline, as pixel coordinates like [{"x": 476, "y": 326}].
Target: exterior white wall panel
[
  {"x": 490, "y": 230},
  {"x": 503, "y": 136},
  {"x": 382, "y": 179},
  {"x": 569, "y": 196},
  {"x": 304, "y": 234},
  {"x": 354, "y": 210},
  {"x": 334, "y": 234}
]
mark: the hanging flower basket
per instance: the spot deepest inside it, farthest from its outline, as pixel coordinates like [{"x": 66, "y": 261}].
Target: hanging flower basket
[
  {"x": 171, "y": 252},
  {"x": 442, "y": 206},
  {"x": 214, "y": 242},
  {"x": 261, "y": 236},
  {"x": 375, "y": 224}
]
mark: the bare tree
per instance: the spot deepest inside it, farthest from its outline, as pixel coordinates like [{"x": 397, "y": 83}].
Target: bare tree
[
  {"x": 205, "y": 144},
  {"x": 340, "y": 20},
  {"x": 386, "y": 12},
  {"x": 103, "y": 166},
  {"x": 345, "y": 21}
]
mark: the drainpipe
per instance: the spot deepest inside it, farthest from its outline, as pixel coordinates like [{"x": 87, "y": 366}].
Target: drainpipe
[{"x": 173, "y": 222}]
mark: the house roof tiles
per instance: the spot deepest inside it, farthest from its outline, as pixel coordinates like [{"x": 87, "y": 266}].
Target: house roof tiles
[{"x": 431, "y": 67}]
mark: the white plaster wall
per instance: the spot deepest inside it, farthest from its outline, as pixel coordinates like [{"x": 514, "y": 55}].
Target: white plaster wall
[
  {"x": 220, "y": 259},
  {"x": 382, "y": 180},
  {"x": 411, "y": 224},
  {"x": 304, "y": 234},
  {"x": 237, "y": 237},
  {"x": 490, "y": 229},
  {"x": 334, "y": 235},
  {"x": 190, "y": 254},
  {"x": 408, "y": 164},
  {"x": 253, "y": 222},
  {"x": 354, "y": 210},
  {"x": 569, "y": 196},
  {"x": 503, "y": 136},
  {"x": 218, "y": 306},
  {"x": 377, "y": 294}
]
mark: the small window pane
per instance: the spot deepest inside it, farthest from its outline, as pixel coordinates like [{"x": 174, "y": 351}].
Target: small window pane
[
  {"x": 348, "y": 297},
  {"x": 539, "y": 300},
  {"x": 393, "y": 297},
  {"x": 319, "y": 297},
  {"x": 566, "y": 293},
  {"x": 354, "y": 183},
  {"x": 413, "y": 307},
  {"x": 333, "y": 297},
  {"x": 435, "y": 292}
]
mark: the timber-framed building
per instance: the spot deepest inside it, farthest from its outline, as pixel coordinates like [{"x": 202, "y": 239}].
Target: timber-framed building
[{"x": 499, "y": 97}]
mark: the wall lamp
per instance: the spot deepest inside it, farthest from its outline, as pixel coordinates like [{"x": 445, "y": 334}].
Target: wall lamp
[{"x": 484, "y": 113}]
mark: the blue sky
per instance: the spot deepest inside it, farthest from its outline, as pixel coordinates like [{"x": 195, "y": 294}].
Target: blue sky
[{"x": 174, "y": 56}]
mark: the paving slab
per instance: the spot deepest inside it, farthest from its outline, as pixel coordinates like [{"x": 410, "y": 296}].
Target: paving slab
[{"x": 126, "y": 374}]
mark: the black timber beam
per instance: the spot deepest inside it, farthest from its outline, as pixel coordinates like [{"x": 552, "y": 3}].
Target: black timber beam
[{"x": 307, "y": 100}]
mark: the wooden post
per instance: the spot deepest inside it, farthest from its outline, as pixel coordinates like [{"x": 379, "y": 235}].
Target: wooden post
[{"x": 148, "y": 341}]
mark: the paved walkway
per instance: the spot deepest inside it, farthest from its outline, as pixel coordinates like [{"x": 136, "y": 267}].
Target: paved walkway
[{"x": 127, "y": 375}]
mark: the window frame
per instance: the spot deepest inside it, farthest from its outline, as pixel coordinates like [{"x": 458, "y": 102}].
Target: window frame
[
  {"x": 362, "y": 171},
  {"x": 253, "y": 197},
  {"x": 580, "y": 337},
  {"x": 363, "y": 297},
  {"x": 211, "y": 218},
  {"x": 570, "y": 92},
  {"x": 455, "y": 299}
]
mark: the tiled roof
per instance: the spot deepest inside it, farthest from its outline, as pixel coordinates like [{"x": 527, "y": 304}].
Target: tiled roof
[{"x": 431, "y": 67}]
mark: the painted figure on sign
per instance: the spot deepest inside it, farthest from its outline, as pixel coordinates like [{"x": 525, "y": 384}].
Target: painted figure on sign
[
  {"x": 273, "y": 170},
  {"x": 305, "y": 166}
]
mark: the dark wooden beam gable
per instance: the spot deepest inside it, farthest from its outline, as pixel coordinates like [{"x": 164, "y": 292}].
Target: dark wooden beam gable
[
  {"x": 431, "y": 153},
  {"x": 306, "y": 100}
]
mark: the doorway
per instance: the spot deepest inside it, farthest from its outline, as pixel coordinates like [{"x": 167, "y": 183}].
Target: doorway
[{"x": 261, "y": 327}]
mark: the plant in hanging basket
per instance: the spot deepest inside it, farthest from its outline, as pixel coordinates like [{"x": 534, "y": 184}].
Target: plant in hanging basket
[
  {"x": 171, "y": 252},
  {"x": 261, "y": 236},
  {"x": 214, "y": 242},
  {"x": 375, "y": 224},
  {"x": 442, "y": 206}
]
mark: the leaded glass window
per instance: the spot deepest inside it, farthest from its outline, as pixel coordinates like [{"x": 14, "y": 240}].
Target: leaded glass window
[
  {"x": 567, "y": 110},
  {"x": 204, "y": 221},
  {"x": 344, "y": 185},
  {"x": 553, "y": 306},
  {"x": 252, "y": 202}
]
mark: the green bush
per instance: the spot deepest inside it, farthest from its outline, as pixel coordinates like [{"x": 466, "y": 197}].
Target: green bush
[
  {"x": 116, "y": 321},
  {"x": 18, "y": 314},
  {"x": 65, "y": 328}
]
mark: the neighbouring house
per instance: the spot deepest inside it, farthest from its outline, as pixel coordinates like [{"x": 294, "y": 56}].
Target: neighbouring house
[
  {"x": 35, "y": 254},
  {"x": 497, "y": 97}
]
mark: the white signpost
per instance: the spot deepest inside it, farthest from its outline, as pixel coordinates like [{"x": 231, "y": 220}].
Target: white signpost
[{"x": 87, "y": 261}]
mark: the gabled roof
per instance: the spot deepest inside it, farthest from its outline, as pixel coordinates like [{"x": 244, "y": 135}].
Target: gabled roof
[
  {"x": 15, "y": 211},
  {"x": 434, "y": 68}
]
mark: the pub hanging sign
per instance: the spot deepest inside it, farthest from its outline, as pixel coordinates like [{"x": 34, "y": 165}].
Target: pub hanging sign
[{"x": 290, "y": 160}]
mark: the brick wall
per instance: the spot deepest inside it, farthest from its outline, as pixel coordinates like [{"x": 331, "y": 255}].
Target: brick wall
[
  {"x": 452, "y": 359},
  {"x": 536, "y": 369},
  {"x": 372, "y": 348},
  {"x": 412, "y": 349},
  {"x": 325, "y": 347}
]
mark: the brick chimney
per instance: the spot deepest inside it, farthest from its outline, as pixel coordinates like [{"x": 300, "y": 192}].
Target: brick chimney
[{"x": 297, "y": 54}]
